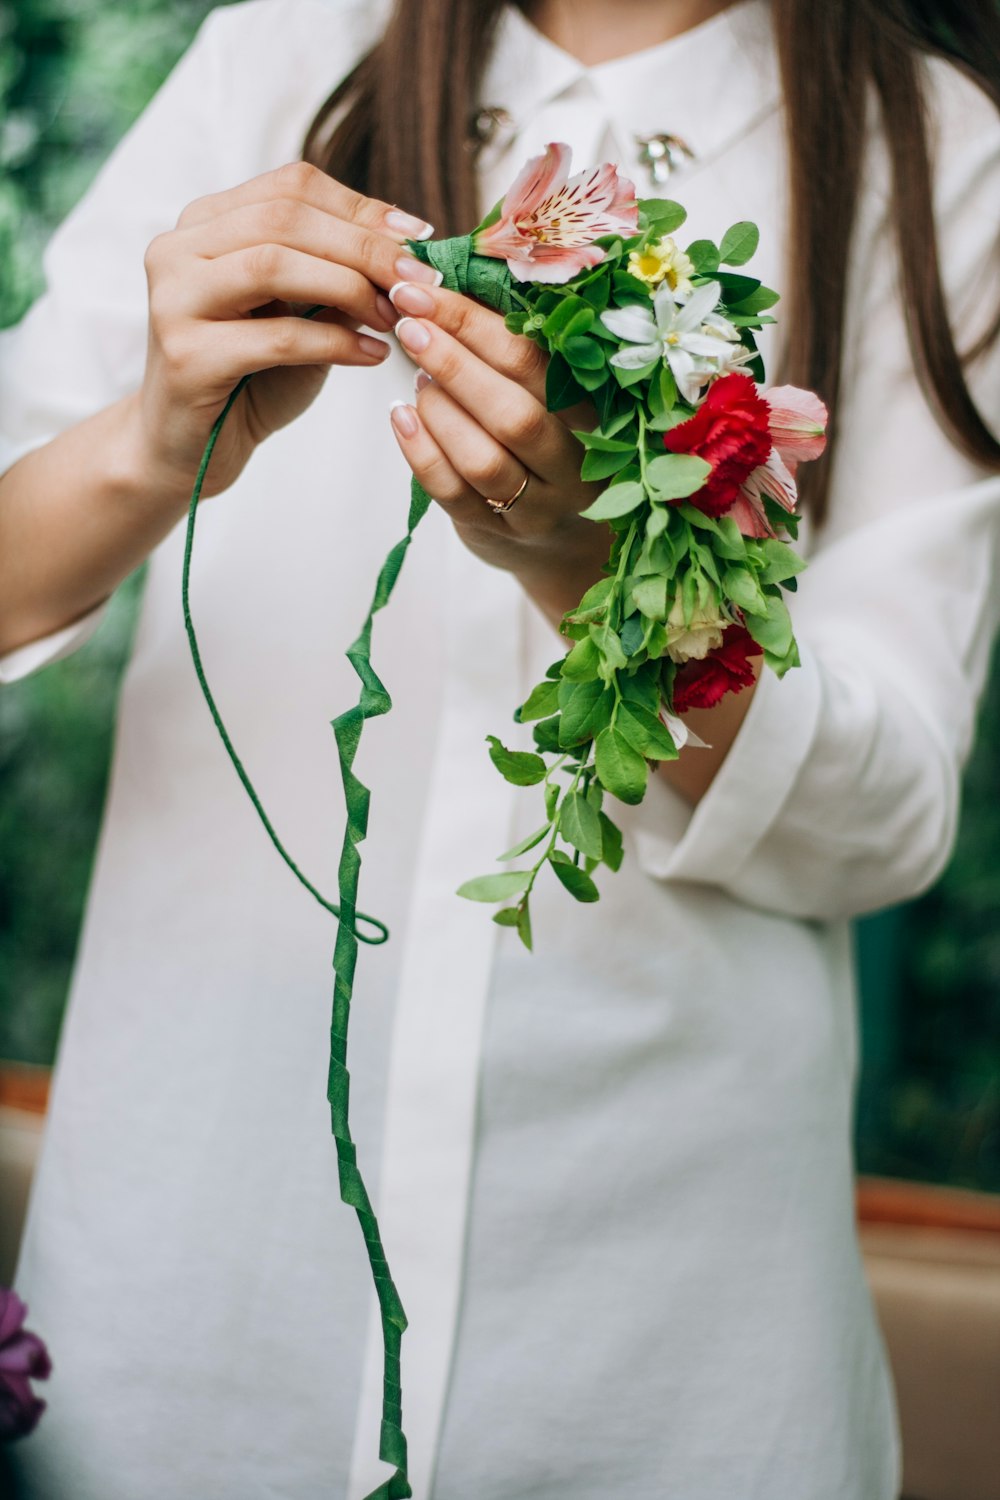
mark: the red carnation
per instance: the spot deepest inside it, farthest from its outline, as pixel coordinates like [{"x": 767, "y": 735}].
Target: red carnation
[
  {"x": 727, "y": 669},
  {"x": 731, "y": 431}
]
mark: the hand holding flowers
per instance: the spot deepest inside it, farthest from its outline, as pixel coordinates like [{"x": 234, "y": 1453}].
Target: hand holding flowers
[{"x": 699, "y": 471}]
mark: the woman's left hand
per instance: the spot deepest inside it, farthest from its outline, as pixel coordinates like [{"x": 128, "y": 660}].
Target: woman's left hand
[{"x": 479, "y": 428}]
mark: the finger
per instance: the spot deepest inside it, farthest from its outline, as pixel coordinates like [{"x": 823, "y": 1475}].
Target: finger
[
  {"x": 253, "y": 277},
  {"x": 376, "y": 255},
  {"x": 515, "y": 418},
  {"x": 242, "y": 348},
  {"x": 479, "y": 329},
  {"x": 434, "y": 471},
  {"x": 305, "y": 183},
  {"x": 474, "y": 454}
]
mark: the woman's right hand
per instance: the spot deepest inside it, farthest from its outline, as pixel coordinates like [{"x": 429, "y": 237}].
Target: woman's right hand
[{"x": 223, "y": 286}]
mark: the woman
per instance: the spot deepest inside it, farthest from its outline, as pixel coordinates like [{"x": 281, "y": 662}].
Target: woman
[{"x": 614, "y": 1178}]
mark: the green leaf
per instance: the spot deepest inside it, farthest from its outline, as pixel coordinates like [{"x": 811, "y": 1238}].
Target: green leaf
[
  {"x": 580, "y": 825},
  {"x": 551, "y": 799},
  {"x": 580, "y": 323},
  {"x": 591, "y": 380},
  {"x": 780, "y": 562},
  {"x": 611, "y": 842},
  {"x": 576, "y": 881},
  {"x": 632, "y": 635},
  {"x": 650, "y": 595},
  {"x": 524, "y": 924},
  {"x": 626, "y": 378},
  {"x": 564, "y": 314},
  {"x": 734, "y": 286},
  {"x": 642, "y": 688},
  {"x": 673, "y": 476},
  {"x": 609, "y": 645},
  {"x": 617, "y": 500},
  {"x": 705, "y": 256},
  {"x": 773, "y": 631},
  {"x": 540, "y": 702},
  {"x": 586, "y": 710},
  {"x": 663, "y": 213},
  {"x": 546, "y": 734},
  {"x": 583, "y": 353},
  {"x": 582, "y": 662},
  {"x": 594, "y": 603},
  {"x": 758, "y": 301},
  {"x": 646, "y": 733},
  {"x": 603, "y": 443},
  {"x": 779, "y": 665},
  {"x": 623, "y": 771},
  {"x": 507, "y": 916},
  {"x": 526, "y": 843},
  {"x": 780, "y": 519},
  {"x": 519, "y": 767},
  {"x": 561, "y": 386},
  {"x": 739, "y": 243},
  {"x": 601, "y": 465},
  {"x": 495, "y": 887},
  {"x": 740, "y": 585}
]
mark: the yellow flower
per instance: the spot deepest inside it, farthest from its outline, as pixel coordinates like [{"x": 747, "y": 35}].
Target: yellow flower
[{"x": 662, "y": 262}]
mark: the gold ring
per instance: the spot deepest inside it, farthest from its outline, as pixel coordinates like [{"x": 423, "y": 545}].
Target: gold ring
[{"x": 499, "y": 507}]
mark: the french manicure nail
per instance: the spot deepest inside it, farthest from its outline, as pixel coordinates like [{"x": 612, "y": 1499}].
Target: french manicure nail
[
  {"x": 421, "y": 380},
  {"x": 385, "y": 307},
  {"x": 403, "y": 418},
  {"x": 413, "y": 336},
  {"x": 413, "y": 228},
  {"x": 409, "y": 269},
  {"x": 410, "y": 298},
  {"x": 375, "y": 348}
]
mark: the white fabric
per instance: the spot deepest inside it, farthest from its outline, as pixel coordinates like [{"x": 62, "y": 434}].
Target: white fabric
[{"x": 615, "y": 1177}]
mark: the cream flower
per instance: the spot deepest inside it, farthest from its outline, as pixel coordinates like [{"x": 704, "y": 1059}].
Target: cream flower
[
  {"x": 661, "y": 262},
  {"x": 694, "y": 640}
]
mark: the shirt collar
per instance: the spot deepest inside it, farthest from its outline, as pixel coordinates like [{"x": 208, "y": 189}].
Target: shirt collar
[{"x": 708, "y": 86}]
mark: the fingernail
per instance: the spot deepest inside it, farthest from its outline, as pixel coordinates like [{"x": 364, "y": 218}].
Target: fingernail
[
  {"x": 412, "y": 336},
  {"x": 375, "y": 348},
  {"x": 403, "y": 418},
  {"x": 413, "y": 228},
  {"x": 408, "y": 269},
  {"x": 422, "y": 379},
  {"x": 411, "y": 299},
  {"x": 385, "y": 307}
]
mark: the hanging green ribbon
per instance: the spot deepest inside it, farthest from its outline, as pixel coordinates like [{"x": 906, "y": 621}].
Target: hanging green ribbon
[{"x": 489, "y": 282}]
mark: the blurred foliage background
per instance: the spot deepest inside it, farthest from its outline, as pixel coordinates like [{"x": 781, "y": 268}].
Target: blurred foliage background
[{"x": 73, "y": 75}]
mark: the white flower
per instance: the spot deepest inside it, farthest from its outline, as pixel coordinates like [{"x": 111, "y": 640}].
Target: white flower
[
  {"x": 732, "y": 353},
  {"x": 673, "y": 333},
  {"x": 694, "y": 639}
]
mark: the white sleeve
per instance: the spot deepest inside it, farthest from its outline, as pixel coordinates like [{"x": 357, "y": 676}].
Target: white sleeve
[
  {"x": 81, "y": 346},
  {"x": 840, "y": 792}
]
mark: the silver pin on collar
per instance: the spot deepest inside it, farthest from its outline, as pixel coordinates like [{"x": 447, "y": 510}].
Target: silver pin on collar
[
  {"x": 491, "y": 130},
  {"x": 662, "y": 155}
]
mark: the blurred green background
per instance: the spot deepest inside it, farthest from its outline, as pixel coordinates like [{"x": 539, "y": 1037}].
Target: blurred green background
[{"x": 73, "y": 75}]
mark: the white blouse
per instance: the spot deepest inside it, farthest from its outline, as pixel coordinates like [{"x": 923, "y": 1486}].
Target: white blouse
[{"x": 614, "y": 1178}]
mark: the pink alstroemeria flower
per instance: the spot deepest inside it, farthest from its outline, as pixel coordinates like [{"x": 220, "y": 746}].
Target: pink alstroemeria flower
[
  {"x": 797, "y": 424},
  {"x": 549, "y": 221}
]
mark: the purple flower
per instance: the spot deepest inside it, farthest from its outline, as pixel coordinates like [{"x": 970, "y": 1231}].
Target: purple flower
[{"x": 23, "y": 1357}]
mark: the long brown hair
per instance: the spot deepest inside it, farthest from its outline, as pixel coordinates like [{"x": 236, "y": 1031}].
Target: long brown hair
[{"x": 399, "y": 127}]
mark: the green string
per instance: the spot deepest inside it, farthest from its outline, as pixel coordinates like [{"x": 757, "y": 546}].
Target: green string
[
  {"x": 192, "y": 516},
  {"x": 489, "y": 281}
]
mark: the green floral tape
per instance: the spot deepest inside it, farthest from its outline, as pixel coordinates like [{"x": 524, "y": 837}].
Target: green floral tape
[{"x": 489, "y": 281}]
